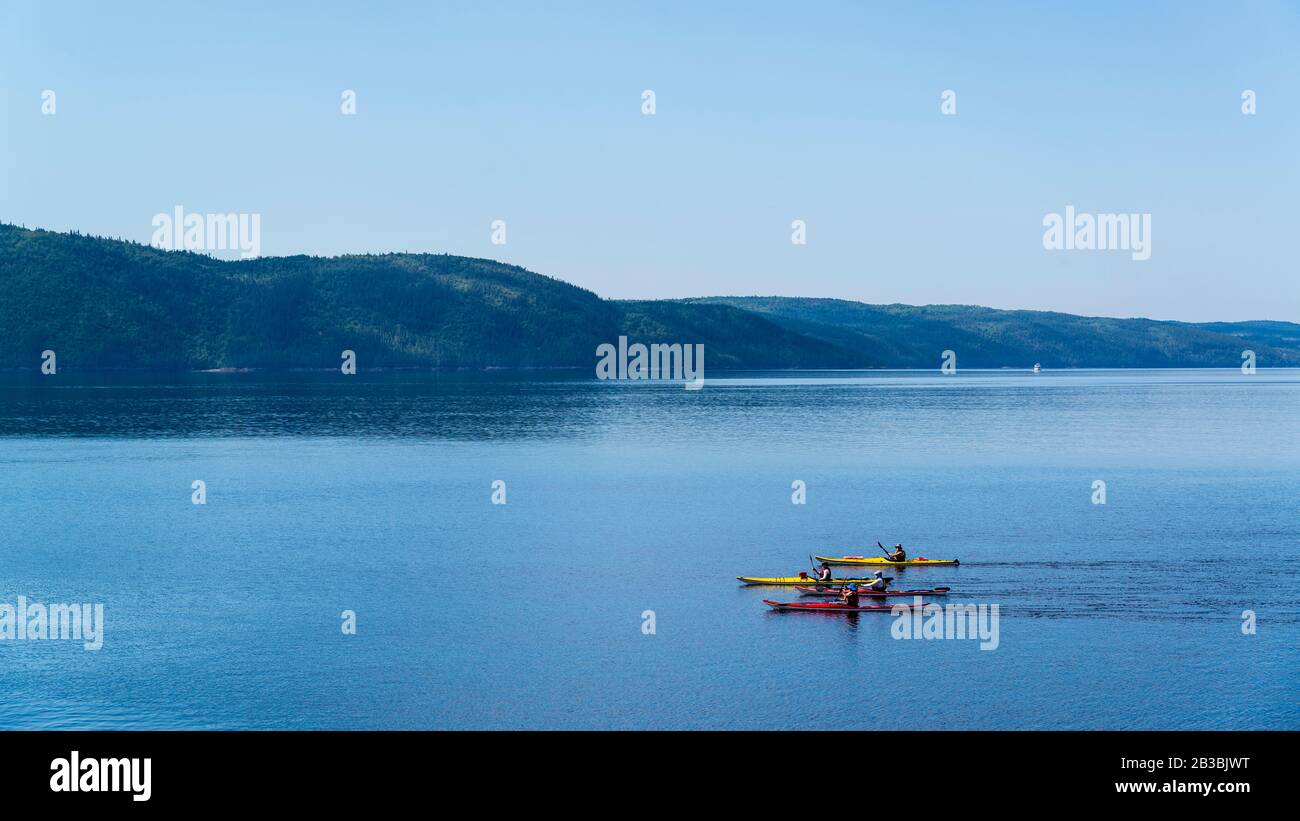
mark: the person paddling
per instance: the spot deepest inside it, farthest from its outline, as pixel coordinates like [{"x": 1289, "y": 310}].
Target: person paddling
[
  {"x": 899, "y": 555},
  {"x": 824, "y": 572},
  {"x": 849, "y": 595},
  {"x": 879, "y": 582}
]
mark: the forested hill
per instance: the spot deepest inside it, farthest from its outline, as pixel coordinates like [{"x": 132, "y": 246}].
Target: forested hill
[
  {"x": 104, "y": 304},
  {"x": 908, "y": 336}
]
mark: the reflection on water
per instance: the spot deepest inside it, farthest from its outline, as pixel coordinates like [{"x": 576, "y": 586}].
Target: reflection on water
[
  {"x": 296, "y": 404},
  {"x": 906, "y": 417}
]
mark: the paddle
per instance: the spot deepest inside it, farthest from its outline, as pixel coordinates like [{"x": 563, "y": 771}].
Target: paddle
[{"x": 882, "y": 548}]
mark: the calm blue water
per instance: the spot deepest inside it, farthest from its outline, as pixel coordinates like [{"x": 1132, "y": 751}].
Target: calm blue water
[{"x": 372, "y": 493}]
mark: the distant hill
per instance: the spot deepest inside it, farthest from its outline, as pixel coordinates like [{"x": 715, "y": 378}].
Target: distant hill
[
  {"x": 105, "y": 304},
  {"x": 906, "y": 336}
]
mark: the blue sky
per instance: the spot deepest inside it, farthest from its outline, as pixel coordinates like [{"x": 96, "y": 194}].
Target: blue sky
[{"x": 766, "y": 113}]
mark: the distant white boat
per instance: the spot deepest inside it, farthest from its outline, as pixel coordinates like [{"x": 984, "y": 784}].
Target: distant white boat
[{"x": 1038, "y": 368}]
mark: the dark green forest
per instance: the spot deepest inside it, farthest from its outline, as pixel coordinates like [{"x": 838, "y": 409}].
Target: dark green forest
[{"x": 109, "y": 304}]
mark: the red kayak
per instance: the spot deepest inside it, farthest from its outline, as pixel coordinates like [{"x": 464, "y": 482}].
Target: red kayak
[
  {"x": 834, "y": 592},
  {"x": 831, "y": 607}
]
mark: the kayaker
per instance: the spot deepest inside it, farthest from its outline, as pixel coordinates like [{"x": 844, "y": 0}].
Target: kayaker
[
  {"x": 899, "y": 555},
  {"x": 879, "y": 582},
  {"x": 849, "y": 595},
  {"x": 824, "y": 572}
]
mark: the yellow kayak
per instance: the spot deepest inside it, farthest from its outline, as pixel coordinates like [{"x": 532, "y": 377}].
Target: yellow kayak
[
  {"x": 805, "y": 580},
  {"x": 881, "y": 560}
]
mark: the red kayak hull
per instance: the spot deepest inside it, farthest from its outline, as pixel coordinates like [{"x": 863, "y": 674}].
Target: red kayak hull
[
  {"x": 832, "y": 607},
  {"x": 829, "y": 592}
]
